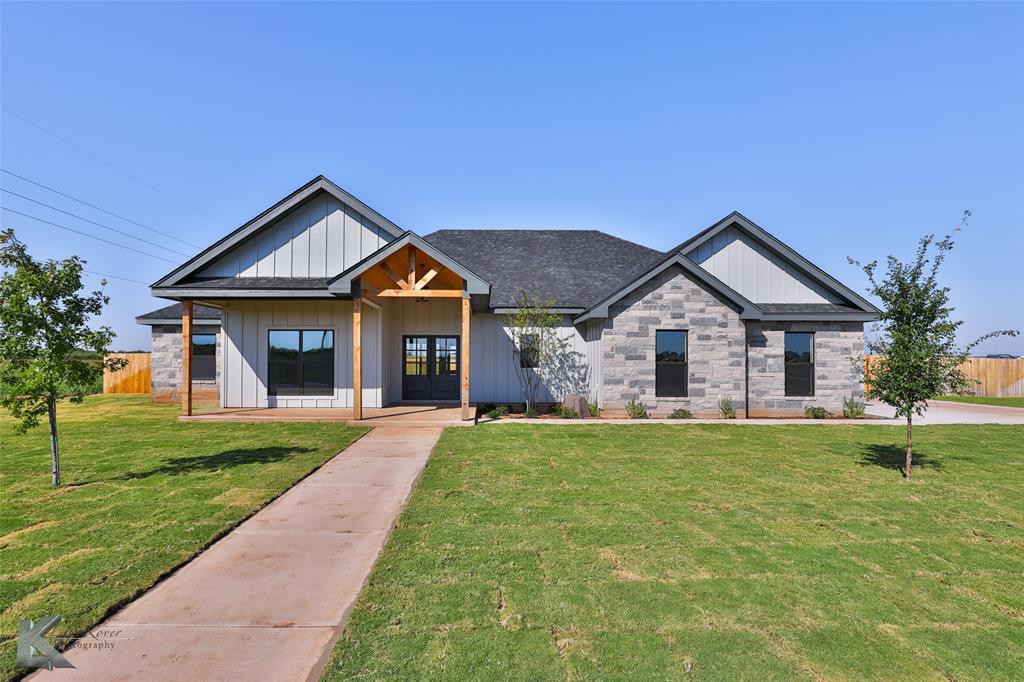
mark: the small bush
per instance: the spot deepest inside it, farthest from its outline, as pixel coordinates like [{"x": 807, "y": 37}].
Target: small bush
[
  {"x": 852, "y": 409},
  {"x": 681, "y": 413},
  {"x": 497, "y": 411},
  {"x": 594, "y": 410},
  {"x": 726, "y": 409},
  {"x": 636, "y": 410},
  {"x": 815, "y": 412},
  {"x": 531, "y": 413},
  {"x": 568, "y": 413}
]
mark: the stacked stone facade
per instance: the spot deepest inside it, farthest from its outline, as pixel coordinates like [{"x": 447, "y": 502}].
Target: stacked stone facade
[
  {"x": 166, "y": 365},
  {"x": 716, "y": 337},
  {"x": 727, "y": 357},
  {"x": 838, "y": 348}
]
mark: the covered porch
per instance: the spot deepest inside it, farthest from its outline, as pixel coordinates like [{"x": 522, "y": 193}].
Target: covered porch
[{"x": 398, "y": 327}]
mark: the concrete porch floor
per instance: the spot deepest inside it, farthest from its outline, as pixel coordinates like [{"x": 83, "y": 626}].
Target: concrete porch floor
[{"x": 394, "y": 415}]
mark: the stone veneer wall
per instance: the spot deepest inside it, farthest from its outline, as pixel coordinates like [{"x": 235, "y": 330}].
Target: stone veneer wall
[
  {"x": 838, "y": 346},
  {"x": 716, "y": 338},
  {"x": 166, "y": 365}
]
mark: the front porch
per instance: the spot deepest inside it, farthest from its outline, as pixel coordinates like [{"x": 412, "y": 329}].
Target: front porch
[
  {"x": 394, "y": 416},
  {"x": 373, "y": 338}
]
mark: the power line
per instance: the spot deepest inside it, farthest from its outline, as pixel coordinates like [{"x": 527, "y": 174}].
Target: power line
[
  {"x": 107, "y": 163},
  {"x": 81, "y": 201},
  {"x": 126, "y": 279},
  {"x": 105, "y": 227},
  {"x": 86, "y": 234}
]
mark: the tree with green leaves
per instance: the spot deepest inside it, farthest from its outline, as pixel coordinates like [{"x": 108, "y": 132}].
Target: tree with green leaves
[
  {"x": 919, "y": 356},
  {"x": 533, "y": 329},
  {"x": 45, "y": 339}
]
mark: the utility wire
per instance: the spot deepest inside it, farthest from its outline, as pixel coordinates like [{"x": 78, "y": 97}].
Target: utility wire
[
  {"x": 81, "y": 201},
  {"x": 86, "y": 234},
  {"x": 105, "y": 227},
  {"x": 107, "y": 163},
  {"x": 126, "y": 279}
]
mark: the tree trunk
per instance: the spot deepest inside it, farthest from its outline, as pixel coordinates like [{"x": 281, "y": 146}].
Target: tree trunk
[
  {"x": 910, "y": 450},
  {"x": 52, "y": 409}
]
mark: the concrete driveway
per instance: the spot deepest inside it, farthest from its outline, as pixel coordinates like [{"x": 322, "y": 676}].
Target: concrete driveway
[
  {"x": 268, "y": 600},
  {"x": 947, "y": 412}
]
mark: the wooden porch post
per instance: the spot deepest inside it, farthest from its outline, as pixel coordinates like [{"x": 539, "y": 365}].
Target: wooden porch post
[
  {"x": 466, "y": 412},
  {"x": 186, "y": 358},
  {"x": 357, "y": 358}
]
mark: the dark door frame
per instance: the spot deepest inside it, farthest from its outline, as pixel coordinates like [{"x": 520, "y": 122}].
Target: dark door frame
[{"x": 432, "y": 392}]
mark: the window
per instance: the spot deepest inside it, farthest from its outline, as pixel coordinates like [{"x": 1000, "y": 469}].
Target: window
[
  {"x": 799, "y": 363},
  {"x": 529, "y": 351},
  {"x": 446, "y": 355},
  {"x": 416, "y": 356},
  {"x": 301, "y": 362},
  {"x": 204, "y": 357},
  {"x": 670, "y": 368}
]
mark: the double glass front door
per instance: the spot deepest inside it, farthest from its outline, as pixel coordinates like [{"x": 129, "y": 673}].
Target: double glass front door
[{"x": 430, "y": 368}]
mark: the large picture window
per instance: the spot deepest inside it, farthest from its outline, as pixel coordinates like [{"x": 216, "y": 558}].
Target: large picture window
[
  {"x": 799, "y": 363},
  {"x": 301, "y": 362},
  {"x": 670, "y": 369},
  {"x": 204, "y": 357}
]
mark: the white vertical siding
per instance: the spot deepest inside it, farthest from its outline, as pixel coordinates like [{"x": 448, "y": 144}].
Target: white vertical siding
[
  {"x": 246, "y": 325},
  {"x": 755, "y": 272},
  {"x": 320, "y": 237}
]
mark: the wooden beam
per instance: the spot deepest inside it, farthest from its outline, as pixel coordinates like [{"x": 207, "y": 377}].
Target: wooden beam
[
  {"x": 412, "y": 267},
  {"x": 425, "y": 279},
  {"x": 186, "y": 358},
  {"x": 393, "y": 275},
  {"x": 357, "y": 358},
  {"x": 464, "y": 353},
  {"x": 421, "y": 293}
]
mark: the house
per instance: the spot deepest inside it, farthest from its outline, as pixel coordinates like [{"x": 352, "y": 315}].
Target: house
[{"x": 325, "y": 303}]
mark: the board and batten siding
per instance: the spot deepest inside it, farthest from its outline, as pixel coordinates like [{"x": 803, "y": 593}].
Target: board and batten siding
[
  {"x": 246, "y": 326},
  {"x": 321, "y": 237},
  {"x": 755, "y": 272}
]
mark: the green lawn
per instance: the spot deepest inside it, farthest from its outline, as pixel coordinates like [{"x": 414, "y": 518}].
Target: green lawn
[
  {"x": 981, "y": 400},
  {"x": 142, "y": 494},
  {"x": 702, "y": 552}
]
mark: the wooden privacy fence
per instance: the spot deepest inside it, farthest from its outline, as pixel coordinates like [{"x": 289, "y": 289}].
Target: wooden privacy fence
[
  {"x": 989, "y": 377},
  {"x": 133, "y": 377}
]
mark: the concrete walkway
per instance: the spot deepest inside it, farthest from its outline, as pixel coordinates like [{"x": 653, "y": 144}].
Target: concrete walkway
[{"x": 268, "y": 600}]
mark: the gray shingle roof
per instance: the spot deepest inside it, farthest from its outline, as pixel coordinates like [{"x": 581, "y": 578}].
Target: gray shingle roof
[
  {"x": 255, "y": 283},
  {"x": 805, "y": 308},
  {"x": 174, "y": 311},
  {"x": 576, "y": 267}
]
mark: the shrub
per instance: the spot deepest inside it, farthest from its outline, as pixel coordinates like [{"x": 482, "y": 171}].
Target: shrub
[
  {"x": 531, "y": 412},
  {"x": 681, "y": 413},
  {"x": 636, "y": 410},
  {"x": 852, "y": 409},
  {"x": 497, "y": 411},
  {"x": 594, "y": 410},
  {"x": 815, "y": 412},
  {"x": 726, "y": 409}
]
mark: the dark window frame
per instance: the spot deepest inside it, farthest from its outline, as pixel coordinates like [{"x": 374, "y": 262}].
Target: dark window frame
[
  {"x": 302, "y": 389},
  {"x": 662, "y": 368},
  {"x": 528, "y": 355},
  {"x": 793, "y": 392},
  {"x": 203, "y": 370}
]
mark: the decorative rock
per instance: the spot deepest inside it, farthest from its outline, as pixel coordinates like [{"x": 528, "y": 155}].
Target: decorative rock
[{"x": 578, "y": 403}]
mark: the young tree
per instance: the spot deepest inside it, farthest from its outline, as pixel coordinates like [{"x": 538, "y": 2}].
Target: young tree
[
  {"x": 533, "y": 328},
  {"x": 919, "y": 358},
  {"x": 43, "y": 332}
]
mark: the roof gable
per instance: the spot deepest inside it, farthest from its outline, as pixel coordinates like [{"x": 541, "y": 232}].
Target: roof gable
[
  {"x": 238, "y": 253},
  {"x": 828, "y": 288}
]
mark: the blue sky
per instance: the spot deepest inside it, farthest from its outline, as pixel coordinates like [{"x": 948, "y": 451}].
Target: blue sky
[{"x": 844, "y": 129}]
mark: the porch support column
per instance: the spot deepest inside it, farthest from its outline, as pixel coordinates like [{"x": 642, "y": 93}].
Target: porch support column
[
  {"x": 466, "y": 410},
  {"x": 186, "y": 358},
  {"x": 357, "y": 357}
]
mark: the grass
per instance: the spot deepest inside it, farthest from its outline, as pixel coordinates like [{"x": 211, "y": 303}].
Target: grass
[
  {"x": 142, "y": 494},
  {"x": 982, "y": 400},
  {"x": 701, "y": 552}
]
